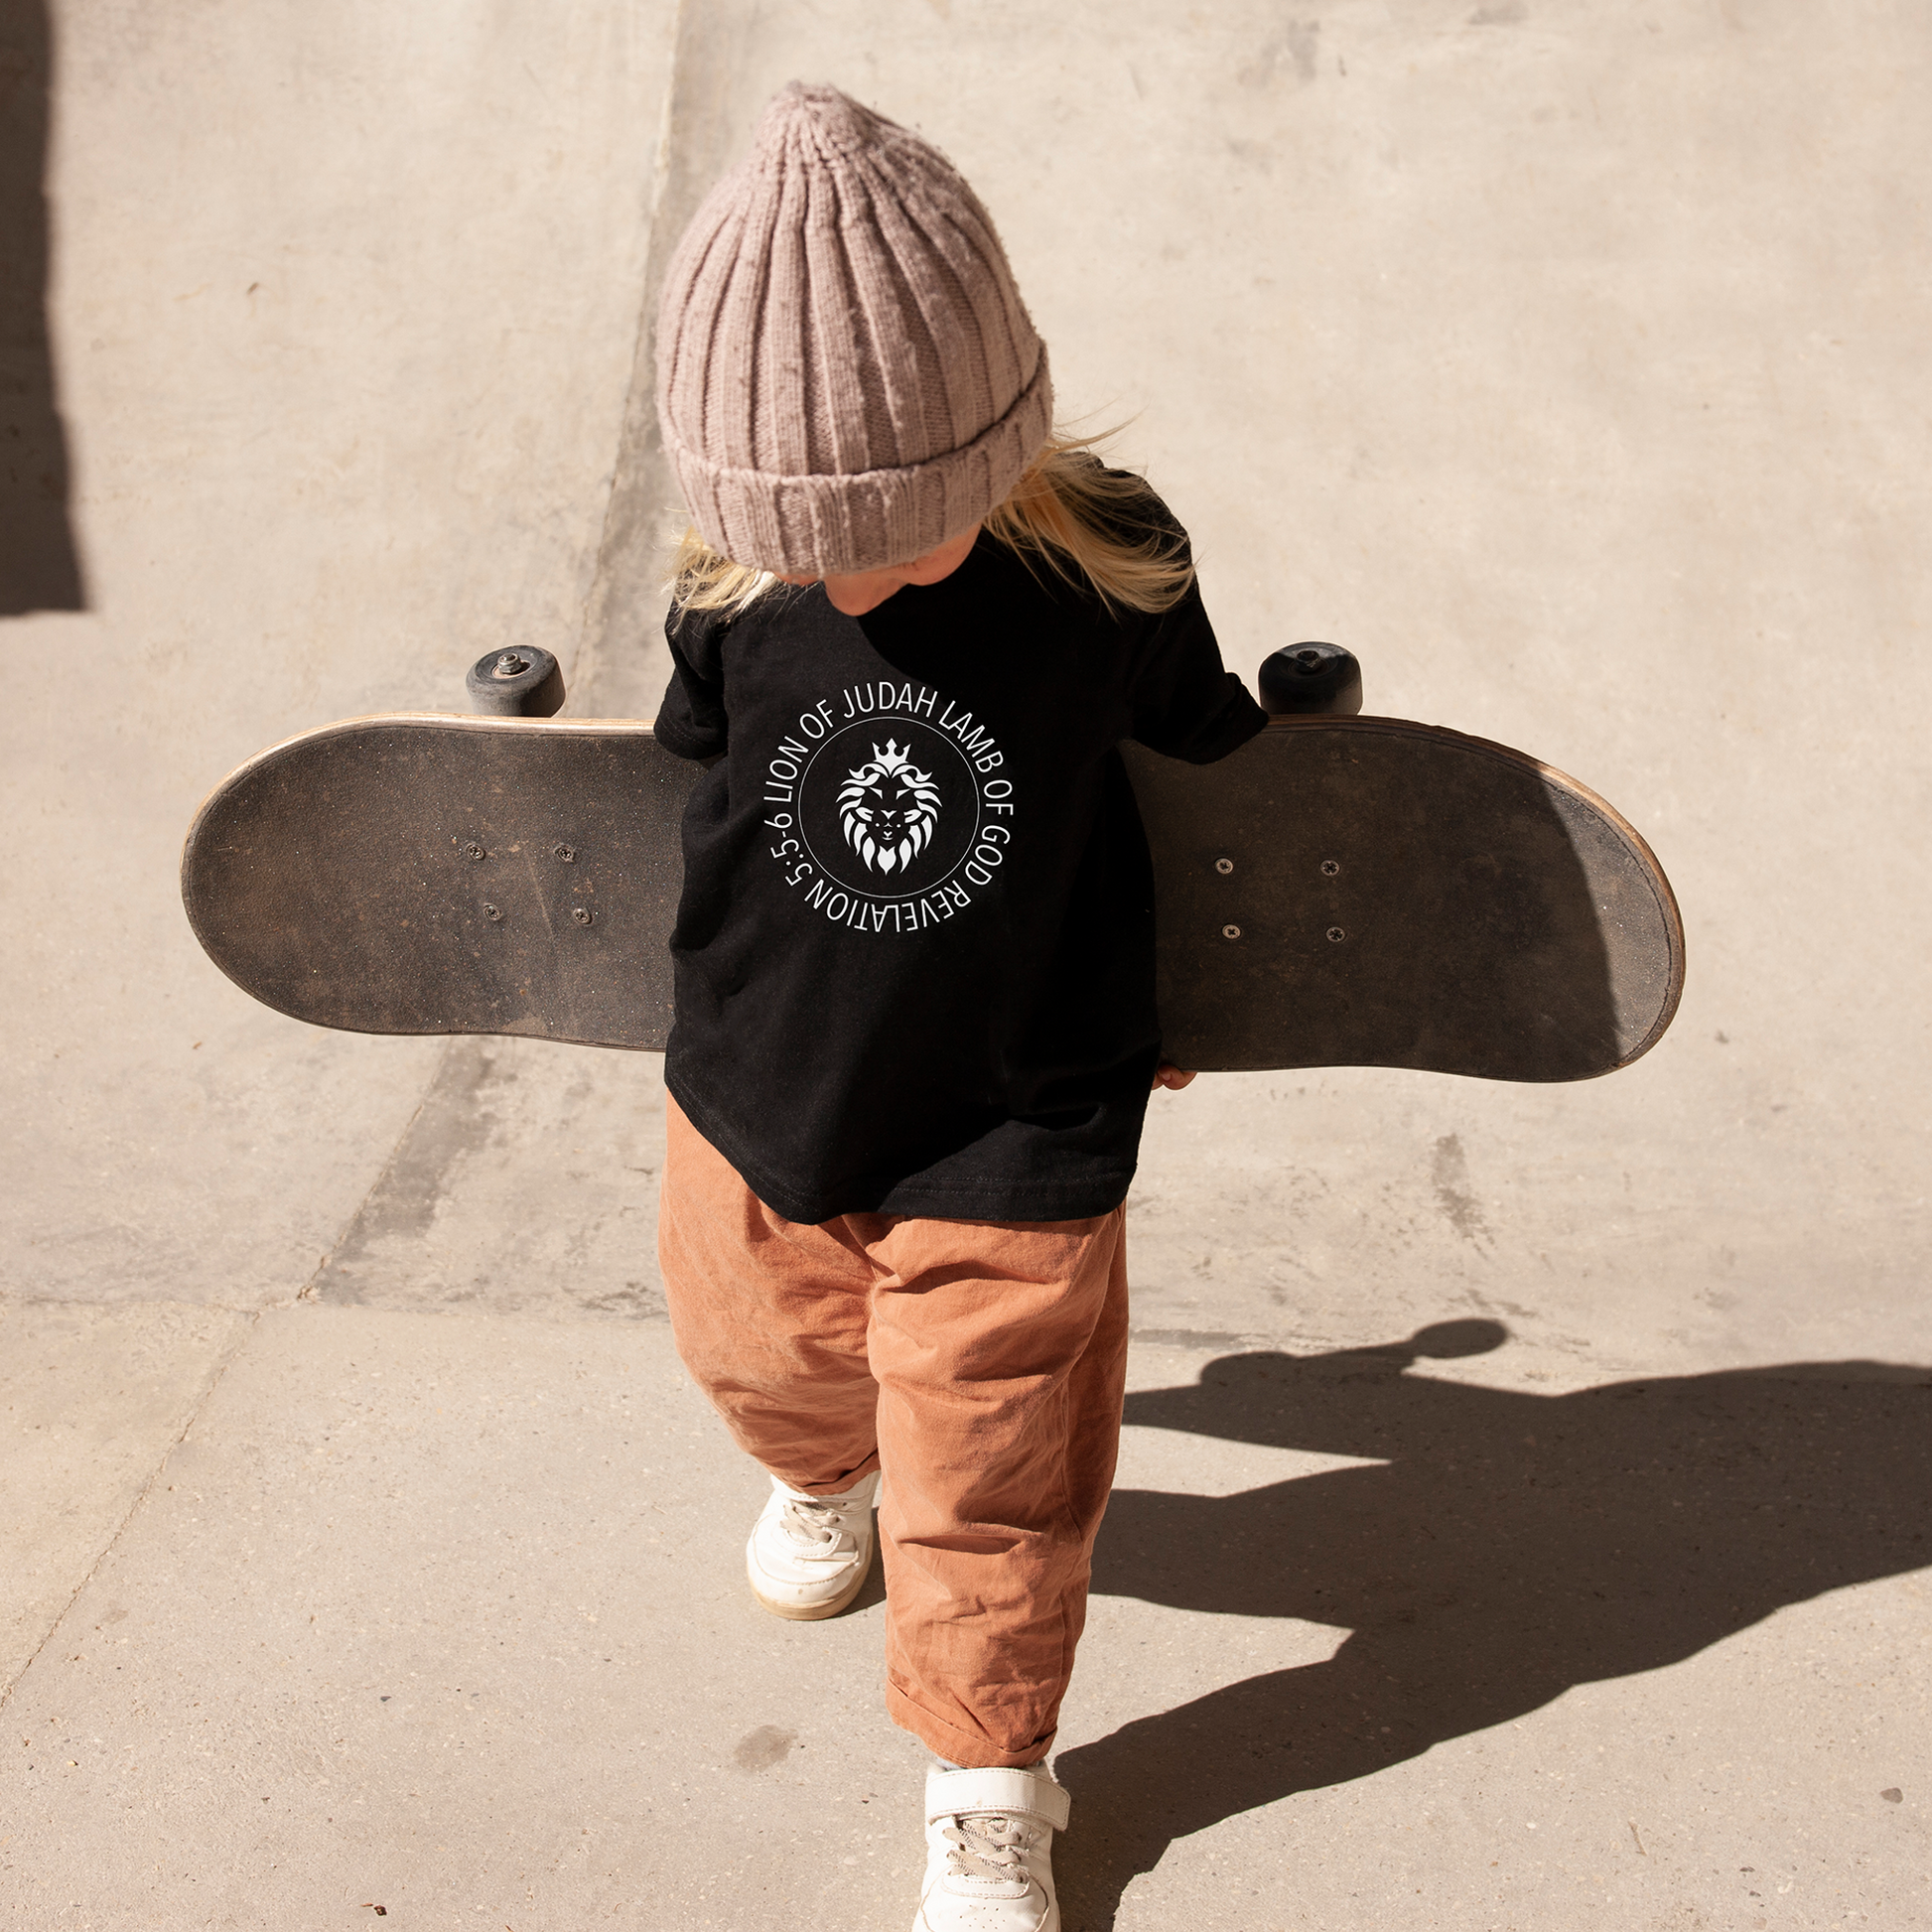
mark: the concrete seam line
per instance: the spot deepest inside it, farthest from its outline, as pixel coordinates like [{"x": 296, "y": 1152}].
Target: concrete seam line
[
  {"x": 696, "y": 146},
  {"x": 244, "y": 1324},
  {"x": 306, "y": 1293},
  {"x": 13, "y": 1299},
  {"x": 639, "y": 392}
]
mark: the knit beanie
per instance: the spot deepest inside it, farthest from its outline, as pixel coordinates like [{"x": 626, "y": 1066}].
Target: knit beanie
[{"x": 846, "y": 375}]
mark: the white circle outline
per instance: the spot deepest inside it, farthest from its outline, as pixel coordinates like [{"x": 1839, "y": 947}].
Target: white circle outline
[{"x": 872, "y": 724}]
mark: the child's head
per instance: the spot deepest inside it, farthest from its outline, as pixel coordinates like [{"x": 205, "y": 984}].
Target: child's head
[
  {"x": 850, "y": 387},
  {"x": 847, "y": 378}
]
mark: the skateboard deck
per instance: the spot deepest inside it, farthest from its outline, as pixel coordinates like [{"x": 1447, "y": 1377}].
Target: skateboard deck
[{"x": 1340, "y": 892}]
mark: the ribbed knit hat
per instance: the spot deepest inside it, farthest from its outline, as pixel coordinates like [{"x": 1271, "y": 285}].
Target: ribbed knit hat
[{"x": 845, "y": 374}]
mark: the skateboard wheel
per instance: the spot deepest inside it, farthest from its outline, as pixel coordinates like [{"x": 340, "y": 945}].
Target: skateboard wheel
[
  {"x": 520, "y": 683},
  {"x": 1310, "y": 680}
]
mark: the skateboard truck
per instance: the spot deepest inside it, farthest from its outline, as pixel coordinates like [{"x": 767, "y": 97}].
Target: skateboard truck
[
  {"x": 520, "y": 683},
  {"x": 1305, "y": 680}
]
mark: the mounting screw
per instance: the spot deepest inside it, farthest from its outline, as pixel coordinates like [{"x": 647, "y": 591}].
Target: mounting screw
[
  {"x": 473, "y": 850},
  {"x": 1231, "y": 933},
  {"x": 582, "y": 914},
  {"x": 1223, "y": 866},
  {"x": 1337, "y": 934},
  {"x": 1329, "y": 867},
  {"x": 491, "y": 911},
  {"x": 565, "y": 852}
]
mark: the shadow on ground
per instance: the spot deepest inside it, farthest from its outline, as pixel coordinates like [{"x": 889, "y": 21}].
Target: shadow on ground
[
  {"x": 1511, "y": 1545},
  {"x": 38, "y": 570}
]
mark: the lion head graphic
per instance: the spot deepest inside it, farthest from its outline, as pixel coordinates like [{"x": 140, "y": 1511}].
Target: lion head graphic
[{"x": 889, "y": 808}]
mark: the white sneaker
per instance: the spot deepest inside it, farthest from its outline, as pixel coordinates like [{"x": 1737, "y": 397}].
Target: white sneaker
[
  {"x": 989, "y": 1842},
  {"x": 808, "y": 1555}
]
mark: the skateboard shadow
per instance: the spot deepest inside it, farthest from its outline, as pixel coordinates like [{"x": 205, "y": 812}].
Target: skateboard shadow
[
  {"x": 1510, "y": 1546},
  {"x": 38, "y": 567}
]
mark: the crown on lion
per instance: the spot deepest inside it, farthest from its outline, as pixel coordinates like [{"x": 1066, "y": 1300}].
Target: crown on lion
[{"x": 891, "y": 759}]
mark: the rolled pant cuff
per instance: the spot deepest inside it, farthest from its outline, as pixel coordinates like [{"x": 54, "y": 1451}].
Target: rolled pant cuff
[
  {"x": 961, "y": 1747},
  {"x": 831, "y": 1486}
]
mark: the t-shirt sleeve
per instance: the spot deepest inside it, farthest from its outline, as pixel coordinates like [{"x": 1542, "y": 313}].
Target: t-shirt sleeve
[
  {"x": 691, "y": 721},
  {"x": 1182, "y": 700}
]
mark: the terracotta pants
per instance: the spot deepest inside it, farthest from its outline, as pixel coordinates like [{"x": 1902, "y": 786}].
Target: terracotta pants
[{"x": 980, "y": 1362}]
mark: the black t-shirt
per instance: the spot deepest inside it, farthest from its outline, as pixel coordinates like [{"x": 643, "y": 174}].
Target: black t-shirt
[{"x": 915, "y": 953}]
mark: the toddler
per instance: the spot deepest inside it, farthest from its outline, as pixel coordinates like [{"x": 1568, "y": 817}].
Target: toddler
[{"x": 916, "y": 1027}]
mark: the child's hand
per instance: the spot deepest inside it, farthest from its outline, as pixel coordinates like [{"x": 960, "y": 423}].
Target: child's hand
[{"x": 1171, "y": 1076}]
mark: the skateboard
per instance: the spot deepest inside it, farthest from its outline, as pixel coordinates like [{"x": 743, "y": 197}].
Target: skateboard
[{"x": 1343, "y": 890}]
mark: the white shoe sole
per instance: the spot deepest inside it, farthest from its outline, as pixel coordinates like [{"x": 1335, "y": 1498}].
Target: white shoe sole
[
  {"x": 810, "y": 1612},
  {"x": 1050, "y": 1923}
]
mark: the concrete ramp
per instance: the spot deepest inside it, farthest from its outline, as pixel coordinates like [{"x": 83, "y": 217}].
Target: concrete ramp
[{"x": 1521, "y": 1520}]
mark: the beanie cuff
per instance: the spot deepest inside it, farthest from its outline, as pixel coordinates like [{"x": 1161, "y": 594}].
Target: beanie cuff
[{"x": 830, "y": 525}]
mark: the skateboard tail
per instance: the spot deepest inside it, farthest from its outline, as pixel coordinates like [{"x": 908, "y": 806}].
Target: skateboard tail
[{"x": 1367, "y": 891}]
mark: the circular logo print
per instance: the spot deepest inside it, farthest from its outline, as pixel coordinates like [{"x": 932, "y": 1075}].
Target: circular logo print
[{"x": 888, "y": 807}]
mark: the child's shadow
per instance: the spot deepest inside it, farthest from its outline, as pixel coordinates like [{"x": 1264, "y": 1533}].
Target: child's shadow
[{"x": 1513, "y": 1545}]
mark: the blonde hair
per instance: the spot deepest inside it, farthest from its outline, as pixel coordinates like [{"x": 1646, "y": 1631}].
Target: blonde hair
[{"x": 1091, "y": 526}]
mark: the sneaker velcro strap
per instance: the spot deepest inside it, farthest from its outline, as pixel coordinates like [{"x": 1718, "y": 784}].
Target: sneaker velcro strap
[{"x": 948, "y": 1794}]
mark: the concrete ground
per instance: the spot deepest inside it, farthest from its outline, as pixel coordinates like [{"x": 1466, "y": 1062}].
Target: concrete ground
[{"x": 1525, "y": 1508}]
